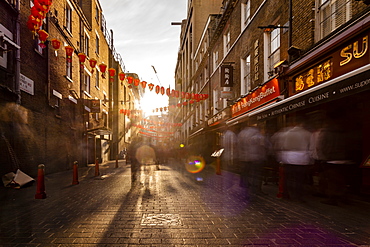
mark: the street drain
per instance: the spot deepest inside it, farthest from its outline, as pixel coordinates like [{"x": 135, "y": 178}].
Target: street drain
[{"x": 160, "y": 219}]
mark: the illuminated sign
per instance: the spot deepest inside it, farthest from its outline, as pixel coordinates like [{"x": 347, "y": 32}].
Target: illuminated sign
[
  {"x": 262, "y": 95},
  {"x": 313, "y": 76}
]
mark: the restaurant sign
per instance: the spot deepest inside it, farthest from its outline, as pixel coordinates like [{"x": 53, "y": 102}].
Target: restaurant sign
[
  {"x": 350, "y": 56},
  {"x": 262, "y": 95}
]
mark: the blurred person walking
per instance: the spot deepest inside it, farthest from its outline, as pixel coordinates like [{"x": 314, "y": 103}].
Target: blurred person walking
[
  {"x": 252, "y": 150},
  {"x": 293, "y": 151}
]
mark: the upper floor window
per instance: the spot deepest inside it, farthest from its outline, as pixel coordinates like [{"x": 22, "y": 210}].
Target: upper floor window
[
  {"x": 85, "y": 43},
  {"x": 97, "y": 15},
  {"x": 86, "y": 81},
  {"x": 4, "y": 54},
  {"x": 215, "y": 60},
  {"x": 246, "y": 75},
  {"x": 272, "y": 47},
  {"x": 68, "y": 12},
  {"x": 227, "y": 42},
  {"x": 246, "y": 13},
  {"x": 332, "y": 14},
  {"x": 97, "y": 44}
]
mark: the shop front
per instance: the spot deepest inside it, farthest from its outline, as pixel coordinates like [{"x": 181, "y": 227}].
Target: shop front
[{"x": 330, "y": 87}]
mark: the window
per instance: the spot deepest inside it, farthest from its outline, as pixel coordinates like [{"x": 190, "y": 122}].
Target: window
[
  {"x": 57, "y": 97},
  {"x": 272, "y": 44},
  {"x": 97, "y": 15},
  {"x": 246, "y": 75},
  {"x": 69, "y": 70},
  {"x": 97, "y": 82},
  {"x": 68, "y": 17},
  {"x": 227, "y": 41},
  {"x": 246, "y": 13},
  {"x": 97, "y": 44},
  {"x": 86, "y": 81},
  {"x": 4, "y": 55},
  {"x": 215, "y": 60},
  {"x": 332, "y": 14},
  {"x": 85, "y": 43}
]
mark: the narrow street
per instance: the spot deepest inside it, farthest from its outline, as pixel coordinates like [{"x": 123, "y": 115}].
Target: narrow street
[{"x": 171, "y": 207}]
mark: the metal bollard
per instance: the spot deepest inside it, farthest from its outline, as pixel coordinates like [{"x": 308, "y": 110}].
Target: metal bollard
[
  {"x": 97, "y": 167},
  {"x": 40, "y": 192},
  {"x": 116, "y": 161},
  {"x": 75, "y": 173},
  {"x": 281, "y": 182}
]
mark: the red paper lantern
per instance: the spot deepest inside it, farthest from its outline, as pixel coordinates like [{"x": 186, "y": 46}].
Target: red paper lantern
[
  {"x": 112, "y": 73},
  {"x": 187, "y": 96},
  {"x": 102, "y": 68},
  {"x": 177, "y": 93},
  {"x": 55, "y": 43},
  {"x": 43, "y": 35},
  {"x": 151, "y": 86},
  {"x": 130, "y": 79},
  {"x": 143, "y": 84},
  {"x": 157, "y": 89},
  {"x": 162, "y": 90},
  {"x": 33, "y": 23},
  {"x": 121, "y": 76},
  {"x": 136, "y": 82},
  {"x": 69, "y": 52},
  {"x": 168, "y": 92},
  {"x": 82, "y": 58},
  {"x": 182, "y": 94},
  {"x": 92, "y": 63},
  {"x": 37, "y": 13},
  {"x": 41, "y": 7}
]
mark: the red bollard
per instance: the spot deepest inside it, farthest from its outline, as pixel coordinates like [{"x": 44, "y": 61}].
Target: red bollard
[
  {"x": 116, "y": 161},
  {"x": 218, "y": 166},
  {"x": 75, "y": 173},
  {"x": 97, "y": 167},
  {"x": 281, "y": 181},
  {"x": 40, "y": 192}
]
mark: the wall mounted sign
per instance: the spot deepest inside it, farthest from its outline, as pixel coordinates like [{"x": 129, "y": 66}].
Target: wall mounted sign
[
  {"x": 262, "y": 95},
  {"x": 226, "y": 76}
]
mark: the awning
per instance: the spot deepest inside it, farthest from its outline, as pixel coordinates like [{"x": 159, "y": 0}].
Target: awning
[
  {"x": 100, "y": 131},
  {"x": 348, "y": 84}
]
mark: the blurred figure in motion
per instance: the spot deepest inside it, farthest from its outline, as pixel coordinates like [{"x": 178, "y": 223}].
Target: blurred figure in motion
[
  {"x": 335, "y": 148},
  {"x": 253, "y": 150},
  {"x": 292, "y": 146},
  {"x": 140, "y": 154}
]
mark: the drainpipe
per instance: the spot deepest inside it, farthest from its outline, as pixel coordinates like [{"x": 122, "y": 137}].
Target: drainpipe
[
  {"x": 18, "y": 55},
  {"x": 290, "y": 25}
]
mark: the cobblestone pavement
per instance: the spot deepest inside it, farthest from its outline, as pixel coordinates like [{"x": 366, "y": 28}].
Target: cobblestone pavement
[{"x": 171, "y": 207}]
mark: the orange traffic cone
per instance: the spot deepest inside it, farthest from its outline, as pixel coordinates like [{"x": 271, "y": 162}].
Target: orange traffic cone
[
  {"x": 40, "y": 192},
  {"x": 97, "y": 167},
  {"x": 75, "y": 173}
]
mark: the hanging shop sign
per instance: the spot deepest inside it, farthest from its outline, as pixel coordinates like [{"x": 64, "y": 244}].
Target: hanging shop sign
[
  {"x": 226, "y": 76},
  {"x": 95, "y": 106},
  {"x": 260, "y": 96}
]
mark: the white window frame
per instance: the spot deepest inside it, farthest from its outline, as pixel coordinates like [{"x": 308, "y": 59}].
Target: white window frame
[
  {"x": 4, "y": 55},
  {"x": 68, "y": 16},
  {"x": 227, "y": 42},
  {"x": 246, "y": 13},
  {"x": 271, "y": 51},
  {"x": 246, "y": 77},
  {"x": 329, "y": 13},
  {"x": 215, "y": 60}
]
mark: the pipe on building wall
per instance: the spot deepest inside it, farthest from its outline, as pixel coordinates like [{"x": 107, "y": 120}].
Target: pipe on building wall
[{"x": 18, "y": 55}]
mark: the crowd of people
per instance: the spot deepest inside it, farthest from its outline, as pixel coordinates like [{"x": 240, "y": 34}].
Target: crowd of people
[{"x": 328, "y": 152}]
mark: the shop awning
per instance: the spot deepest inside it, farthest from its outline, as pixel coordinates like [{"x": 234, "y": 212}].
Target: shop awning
[{"x": 348, "y": 84}]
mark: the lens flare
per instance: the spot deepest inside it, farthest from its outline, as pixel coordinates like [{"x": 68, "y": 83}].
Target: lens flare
[{"x": 195, "y": 164}]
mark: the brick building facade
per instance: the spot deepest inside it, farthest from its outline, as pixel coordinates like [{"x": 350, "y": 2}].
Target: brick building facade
[{"x": 60, "y": 111}]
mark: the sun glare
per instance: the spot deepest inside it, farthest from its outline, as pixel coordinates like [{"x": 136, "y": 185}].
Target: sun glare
[{"x": 152, "y": 101}]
